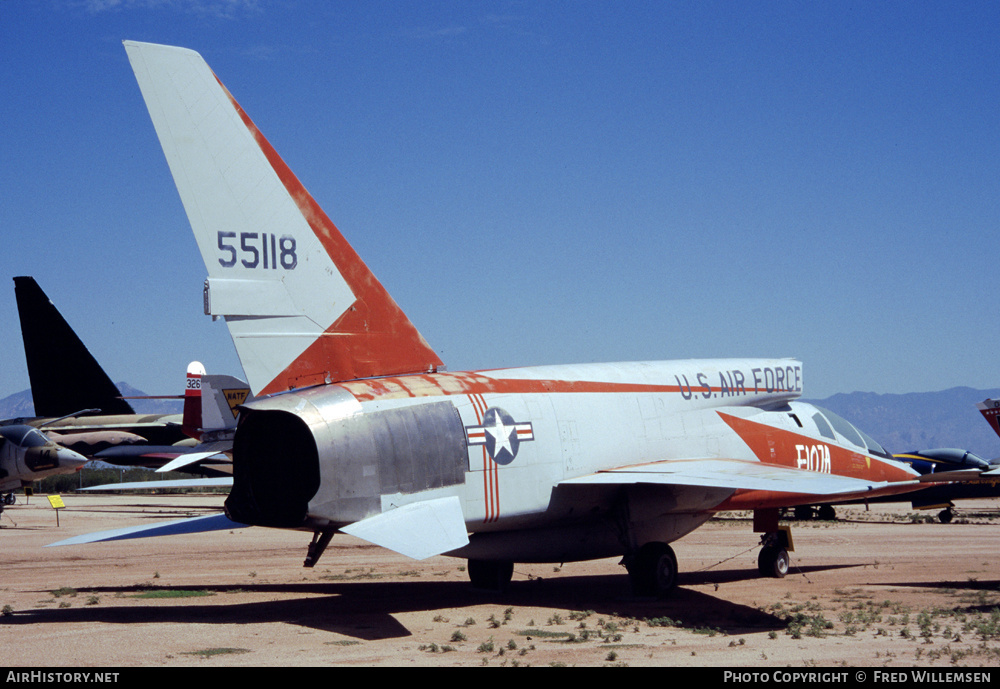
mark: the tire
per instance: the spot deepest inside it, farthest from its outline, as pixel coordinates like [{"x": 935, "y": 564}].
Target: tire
[
  {"x": 490, "y": 575},
  {"x": 803, "y": 513},
  {"x": 653, "y": 571},
  {"x": 773, "y": 562}
]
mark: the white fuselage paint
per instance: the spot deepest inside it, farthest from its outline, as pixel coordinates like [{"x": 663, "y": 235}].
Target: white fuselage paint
[{"x": 624, "y": 414}]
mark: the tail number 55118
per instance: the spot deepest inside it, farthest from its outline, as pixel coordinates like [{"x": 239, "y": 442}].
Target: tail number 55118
[{"x": 257, "y": 250}]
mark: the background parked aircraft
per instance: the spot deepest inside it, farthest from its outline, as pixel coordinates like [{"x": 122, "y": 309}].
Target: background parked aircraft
[
  {"x": 939, "y": 461},
  {"x": 74, "y": 399},
  {"x": 78, "y": 407},
  {"x": 26, "y": 455},
  {"x": 990, "y": 409}
]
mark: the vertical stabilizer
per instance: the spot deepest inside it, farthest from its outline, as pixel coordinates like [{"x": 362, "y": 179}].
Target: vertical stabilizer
[
  {"x": 301, "y": 306},
  {"x": 65, "y": 377},
  {"x": 191, "y": 424},
  {"x": 221, "y": 397},
  {"x": 990, "y": 409}
]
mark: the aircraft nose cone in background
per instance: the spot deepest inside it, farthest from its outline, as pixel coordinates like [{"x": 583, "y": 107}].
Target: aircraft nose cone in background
[
  {"x": 51, "y": 456},
  {"x": 69, "y": 459}
]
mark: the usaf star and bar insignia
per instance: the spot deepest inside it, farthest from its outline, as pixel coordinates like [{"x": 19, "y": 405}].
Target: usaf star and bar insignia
[{"x": 501, "y": 435}]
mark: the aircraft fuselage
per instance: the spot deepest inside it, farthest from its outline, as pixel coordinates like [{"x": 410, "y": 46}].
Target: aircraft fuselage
[
  {"x": 26, "y": 455},
  {"x": 503, "y": 441}
]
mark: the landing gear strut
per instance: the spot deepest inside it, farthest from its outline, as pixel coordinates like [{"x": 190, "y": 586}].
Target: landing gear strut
[
  {"x": 776, "y": 541},
  {"x": 652, "y": 570},
  {"x": 321, "y": 539}
]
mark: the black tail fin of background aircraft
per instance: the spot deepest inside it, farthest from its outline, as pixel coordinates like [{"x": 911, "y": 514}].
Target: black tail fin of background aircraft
[{"x": 65, "y": 377}]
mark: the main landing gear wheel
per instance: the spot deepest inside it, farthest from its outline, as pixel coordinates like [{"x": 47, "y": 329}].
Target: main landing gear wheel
[
  {"x": 803, "y": 512},
  {"x": 827, "y": 512},
  {"x": 653, "y": 570},
  {"x": 945, "y": 516},
  {"x": 773, "y": 561},
  {"x": 491, "y": 575}
]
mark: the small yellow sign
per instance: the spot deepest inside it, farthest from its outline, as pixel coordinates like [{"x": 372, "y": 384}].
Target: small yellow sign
[
  {"x": 56, "y": 501},
  {"x": 235, "y": 398}
]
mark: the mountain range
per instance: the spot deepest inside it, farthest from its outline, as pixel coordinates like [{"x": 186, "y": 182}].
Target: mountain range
[
  {"x": 920, "y": 420},
  {"x": 901, "y": 422}
]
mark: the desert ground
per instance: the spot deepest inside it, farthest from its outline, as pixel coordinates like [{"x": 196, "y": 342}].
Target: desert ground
[{"x": 877, "y": 587}]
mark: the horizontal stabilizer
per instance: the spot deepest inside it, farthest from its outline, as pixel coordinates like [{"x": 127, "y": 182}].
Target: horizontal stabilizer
[
  {"x": 730, "y": 473},
  {"x": 153, "y": 485},
  {"x": 212, "y": 522},
  {"x": 418, "y": 530}
]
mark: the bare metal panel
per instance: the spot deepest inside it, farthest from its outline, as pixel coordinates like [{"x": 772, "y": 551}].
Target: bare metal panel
[
  {"x": 405, "y": 450},
  {"x": 419, "y": 447}
]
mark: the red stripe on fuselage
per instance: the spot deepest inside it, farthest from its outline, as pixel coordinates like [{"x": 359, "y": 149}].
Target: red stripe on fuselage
[
  {"x": 491, "y": 482},
  {"x": 436, "y": 384}
]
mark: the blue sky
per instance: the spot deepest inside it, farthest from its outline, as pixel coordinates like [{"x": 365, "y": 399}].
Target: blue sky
[{"x": 541, "y": 182}]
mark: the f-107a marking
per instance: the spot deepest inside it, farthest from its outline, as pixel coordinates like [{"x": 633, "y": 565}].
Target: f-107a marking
[{"x": 813, "y": 458}]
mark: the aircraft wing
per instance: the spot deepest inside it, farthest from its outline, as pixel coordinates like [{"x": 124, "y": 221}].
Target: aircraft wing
[
  {"x": 220, "y": 482},
  {"x": 417, "y": 530},
  {"x": 729, "y": 473},
  {"x": 168, "y": 457},
  {"x": 185, "y": 460},
  {"x": 211, "y": 522}
]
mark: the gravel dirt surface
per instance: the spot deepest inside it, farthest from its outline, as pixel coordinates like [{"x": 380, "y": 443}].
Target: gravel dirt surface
[{"x": 882, "y": 587}]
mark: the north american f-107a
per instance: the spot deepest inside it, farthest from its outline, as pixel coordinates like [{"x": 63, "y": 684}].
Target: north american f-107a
[{"x": 357, "y": 427}]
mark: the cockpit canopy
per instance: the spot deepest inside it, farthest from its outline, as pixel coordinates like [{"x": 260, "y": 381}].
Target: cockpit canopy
[
  {"x": 23, "y": 436},
  {"x": 840, "y": 430}
]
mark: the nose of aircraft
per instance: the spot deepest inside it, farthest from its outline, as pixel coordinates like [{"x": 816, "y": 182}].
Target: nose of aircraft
[
  {"x": 70, "y": 459},
  {"x": 50, "y": 456}
]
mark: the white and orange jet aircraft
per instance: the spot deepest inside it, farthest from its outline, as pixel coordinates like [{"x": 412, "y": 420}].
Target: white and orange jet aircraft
[{"x": 356, "y": 426}]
